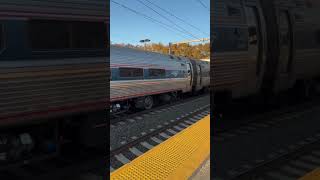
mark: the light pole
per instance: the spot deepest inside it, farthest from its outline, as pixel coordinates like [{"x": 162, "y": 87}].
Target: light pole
[{"x": 144, "y": 41}]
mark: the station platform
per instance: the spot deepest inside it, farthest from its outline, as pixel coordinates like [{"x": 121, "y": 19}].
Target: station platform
[
  {"x": 203, "y": 173},
  {"x": 313, "y": 175},
  {"x": 183, "y": 156}
]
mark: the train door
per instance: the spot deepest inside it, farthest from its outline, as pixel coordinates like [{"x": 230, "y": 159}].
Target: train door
[
  {"x": 198, "y": 81},
  {"x": 194, "y": 79},
  {"x": 285, "y": 50},
  {"x": 256, "y": 45},
  {"x": 190, "y": 75},
  {"x": 285, "y": 40},
  {"x": 199, "y": 76}
]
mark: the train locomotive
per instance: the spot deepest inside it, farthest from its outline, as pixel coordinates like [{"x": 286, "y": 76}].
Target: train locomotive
[
  {"x": 262, "y": 48},
  {"x": 139, "y": 79}
]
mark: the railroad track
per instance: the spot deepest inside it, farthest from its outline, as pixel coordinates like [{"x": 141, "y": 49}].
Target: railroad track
[
  {"x": 134, "y": 126},
  {"x": 147, "y": 140},
  {"x": 114, "y": 119},
  {"x": 286, "y": 164}
]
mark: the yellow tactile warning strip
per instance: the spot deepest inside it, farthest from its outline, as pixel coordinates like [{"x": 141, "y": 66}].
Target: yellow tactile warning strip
[
  {"x": 313, "y": 175},
  {"x": 176, "y": 158}
]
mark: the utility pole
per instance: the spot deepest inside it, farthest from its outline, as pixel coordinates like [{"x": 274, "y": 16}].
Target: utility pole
[{"x": 187, "y": 41}]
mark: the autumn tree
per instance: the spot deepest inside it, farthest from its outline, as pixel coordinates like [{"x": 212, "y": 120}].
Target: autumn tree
[{"x": 198, "y": 51}]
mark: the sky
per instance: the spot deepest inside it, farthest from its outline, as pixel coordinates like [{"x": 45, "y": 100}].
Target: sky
[{"x": 128, "y": 27}]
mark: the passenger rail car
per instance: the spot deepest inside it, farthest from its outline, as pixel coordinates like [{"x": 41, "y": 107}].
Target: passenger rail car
[
  {"x": 139, "y": 77},
  {"x": 53, "y": 76},
  {"x": 263, "y": 47},
  {"x": 52, "y": 59}
]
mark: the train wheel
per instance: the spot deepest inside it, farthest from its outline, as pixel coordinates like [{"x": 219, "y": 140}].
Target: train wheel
[
  {"x": 175, "y": 96},
  {"x": 148, "y": 102}
]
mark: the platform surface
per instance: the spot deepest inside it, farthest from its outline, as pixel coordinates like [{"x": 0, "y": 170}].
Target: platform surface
[
  {"x": 203, "y": 173},
  {"x": 179, "y": 157}
]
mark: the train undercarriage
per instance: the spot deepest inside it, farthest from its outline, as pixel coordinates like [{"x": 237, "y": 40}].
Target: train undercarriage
[
  {"x": 46, "y": 139},
  {"x": 144, "y": 102}
]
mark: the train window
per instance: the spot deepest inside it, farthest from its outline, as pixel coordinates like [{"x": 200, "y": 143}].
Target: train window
[
  {"x": 174, "y": 74},
  {"x": 49, "y": 34},
  {"x": 285, "y": 41},
  {"x": 113, "y": 74},
  {"x": 88, "y": 35},
  {"x": 254, "y": 36},
  {"x": 52, "y": 34},
  {"x": 233, "y": 11},
  {"x": 1, "y": 37},
  {"x": 130, "y": 72},
  {"x": 230, "y": 39},
  {"x": 157, "y": 72}
]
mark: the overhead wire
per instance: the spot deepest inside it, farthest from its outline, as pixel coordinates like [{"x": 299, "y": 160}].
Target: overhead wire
[
  {"x": 164, "y": 25},
  {"x": 168, "y": 19},
  {"x": 203, "y": 4},
  {"x": 180, "y": 19}
]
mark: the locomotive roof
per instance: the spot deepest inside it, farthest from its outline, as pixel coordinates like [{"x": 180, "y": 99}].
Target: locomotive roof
[{"x": 93, "y": 10}]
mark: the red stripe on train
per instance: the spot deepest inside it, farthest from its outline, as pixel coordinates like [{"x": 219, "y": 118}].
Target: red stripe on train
[
  {"x": 28, "y": 116},
  {"x": 21, "y": 117}
]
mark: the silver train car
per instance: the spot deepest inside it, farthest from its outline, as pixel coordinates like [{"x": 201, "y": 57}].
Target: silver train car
[
  {"x": 53, "y": 75},
  {"x": 43, "y": 75},
  {"x": 264, "y": 47},
  {"x": 140, "y": 78}
]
